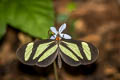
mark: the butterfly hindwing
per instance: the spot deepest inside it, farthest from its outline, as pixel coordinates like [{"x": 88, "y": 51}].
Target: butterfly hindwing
[
  {"x": 76, "y": 52},
  {"x": 41, "y": 53}
]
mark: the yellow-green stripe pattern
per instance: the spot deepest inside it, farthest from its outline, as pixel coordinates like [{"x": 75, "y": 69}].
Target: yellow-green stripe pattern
[
  {"x": 74, "y": 48},
  {"x": 28, "y": 51},
  {"x": 86, "y": 50},
  {"x": 41, "y": 48},
  {"x": 68, "y": 53},
  {"x": 48, "y": 53}
]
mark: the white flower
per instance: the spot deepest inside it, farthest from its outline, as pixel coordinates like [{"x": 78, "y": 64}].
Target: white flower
[{"x": 62, "y": 35}]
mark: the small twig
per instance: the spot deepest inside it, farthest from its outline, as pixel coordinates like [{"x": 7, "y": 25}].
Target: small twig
[{"x": 55, "y": 71}]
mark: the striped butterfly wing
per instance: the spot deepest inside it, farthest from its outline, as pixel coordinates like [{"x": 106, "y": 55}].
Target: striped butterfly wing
[
  {"x": 76, "y": 52},
  {"x": 41, "y": 53}
]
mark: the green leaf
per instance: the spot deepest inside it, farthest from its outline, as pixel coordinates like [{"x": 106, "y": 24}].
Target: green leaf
[
  {"x": 34, "y": 17},
  {"x": 2, "y": 29},
  {"x": 2, "y": 21}
]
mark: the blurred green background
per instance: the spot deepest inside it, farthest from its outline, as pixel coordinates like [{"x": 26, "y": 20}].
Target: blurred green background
[{"x": 95, "y": 21}]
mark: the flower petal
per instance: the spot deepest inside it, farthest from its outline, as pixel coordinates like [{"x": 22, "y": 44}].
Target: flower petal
[
  {"x": 53, "y": 29},
  {"x": 62, "y": 28},
  {"x": 65, "y": 36},
  {"x": 53, "y": 37}
]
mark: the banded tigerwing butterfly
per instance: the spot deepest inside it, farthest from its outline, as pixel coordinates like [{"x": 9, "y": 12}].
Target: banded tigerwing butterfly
[{"x": 43, "y": 53}]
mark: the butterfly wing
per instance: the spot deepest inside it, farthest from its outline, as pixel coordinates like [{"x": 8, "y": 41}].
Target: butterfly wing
[
  {"x": 76, "y": 52},
  {"x": 41, "y": 53}
]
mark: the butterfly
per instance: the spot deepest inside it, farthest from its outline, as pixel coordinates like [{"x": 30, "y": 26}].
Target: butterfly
[{"x": 61, "y": 46}]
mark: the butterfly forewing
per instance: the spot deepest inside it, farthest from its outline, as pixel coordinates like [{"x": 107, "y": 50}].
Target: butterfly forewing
[
  {"x": 76, "y": 52},
  {"x": 41, "y": 53}
]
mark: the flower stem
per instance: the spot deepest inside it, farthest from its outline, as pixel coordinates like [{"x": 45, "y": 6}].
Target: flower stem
[{"x": 55, "y": 71}]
